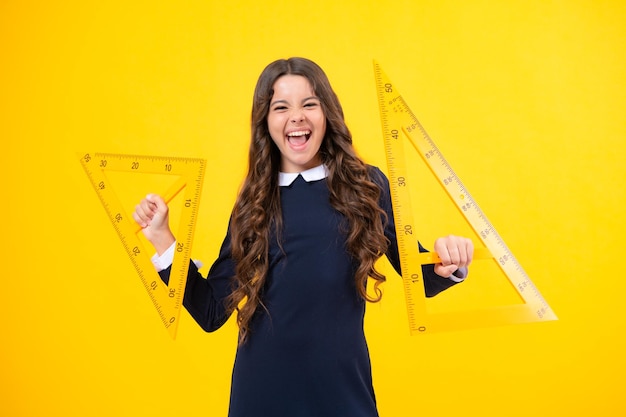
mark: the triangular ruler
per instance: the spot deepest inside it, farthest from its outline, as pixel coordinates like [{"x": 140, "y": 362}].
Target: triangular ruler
[
  {"x": 186, "y": 185},
  {"x": 400, "y": 128}
]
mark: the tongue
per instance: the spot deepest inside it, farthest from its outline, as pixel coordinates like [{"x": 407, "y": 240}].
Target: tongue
[{"x": 297, "y": 140}]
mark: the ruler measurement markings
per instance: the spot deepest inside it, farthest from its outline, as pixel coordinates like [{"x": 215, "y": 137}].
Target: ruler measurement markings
[
  {"x": 394, "y": 111},
  {"x": 403, "y": 218},
  {"x": 167, "y": 299},
  {"x": 465, "y": 202}
]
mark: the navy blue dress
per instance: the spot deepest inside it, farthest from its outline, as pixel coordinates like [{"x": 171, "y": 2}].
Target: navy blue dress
[{"x": 308, "y": 356}]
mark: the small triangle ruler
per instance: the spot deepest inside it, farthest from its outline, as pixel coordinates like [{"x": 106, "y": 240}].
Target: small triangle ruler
[
  {"x": 188, "y": 176},
  {"x": 400, "y": 128}
]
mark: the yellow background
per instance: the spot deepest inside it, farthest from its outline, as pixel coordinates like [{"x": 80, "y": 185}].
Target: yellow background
[{"x": 526, "y": 100}]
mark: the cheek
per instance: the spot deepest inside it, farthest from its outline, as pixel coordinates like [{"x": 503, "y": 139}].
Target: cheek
[
  {"x": 275, "y": 128},
  {"x": 320, "y": 123},
  {"x": 276, "y": 140},
  {"x": 323, "y": 128}
]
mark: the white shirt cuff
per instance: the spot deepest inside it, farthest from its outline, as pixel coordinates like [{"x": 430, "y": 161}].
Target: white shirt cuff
[
  {"x": 455, "y": 278},
  {"x": 459, "y": 275},
  {"x": 164, "y": 260}
]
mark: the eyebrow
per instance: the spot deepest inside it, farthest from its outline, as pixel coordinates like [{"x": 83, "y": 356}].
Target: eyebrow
[{"x": 303, "y": 100}]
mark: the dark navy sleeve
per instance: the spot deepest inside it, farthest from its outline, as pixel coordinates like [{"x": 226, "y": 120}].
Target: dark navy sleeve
[
  {"x": 205, "y": 299},
  {"x": 433, "y": 283}
]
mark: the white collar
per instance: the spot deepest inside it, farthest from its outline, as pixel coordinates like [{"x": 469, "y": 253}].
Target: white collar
[{"x": 320, "y": 172}]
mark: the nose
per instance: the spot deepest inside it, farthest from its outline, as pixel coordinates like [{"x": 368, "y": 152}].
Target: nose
[{"x": 297, "y": 116}]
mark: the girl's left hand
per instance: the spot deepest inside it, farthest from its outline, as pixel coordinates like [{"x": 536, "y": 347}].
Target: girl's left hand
[{"x": 455, "y": 252}]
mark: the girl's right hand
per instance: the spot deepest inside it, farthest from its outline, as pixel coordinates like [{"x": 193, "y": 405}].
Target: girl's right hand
[{"x": 152, "y": 214}]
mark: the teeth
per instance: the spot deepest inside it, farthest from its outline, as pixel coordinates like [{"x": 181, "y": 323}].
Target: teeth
[{"x": 299, "y": 133}]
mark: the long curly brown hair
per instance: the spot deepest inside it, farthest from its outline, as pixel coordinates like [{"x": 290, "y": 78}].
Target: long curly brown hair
[{"x": 257, "y": 210}]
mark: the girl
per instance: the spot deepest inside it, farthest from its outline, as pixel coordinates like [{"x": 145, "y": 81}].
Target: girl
[{"x": 308, "y": 226}]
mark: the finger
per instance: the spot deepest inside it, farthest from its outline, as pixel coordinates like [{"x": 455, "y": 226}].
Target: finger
[
  {"x": 456, "y": 255},
  {"x": 469, "y": 250},
  {"x": 465, "y": 249},
  {"x": 145, "y": 211},
  {"x": 157, "y": 203},
  {"x": 445, "y": 271},
  {"x": 138, "y": 219},
  {"x": 143, "y": 214},
  {"x": 159, "y": 212},
  {"x": 446, "y": 250}
]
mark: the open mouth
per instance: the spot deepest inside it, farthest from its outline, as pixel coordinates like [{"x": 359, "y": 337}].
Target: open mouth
[{"x": 299, "y": 137}]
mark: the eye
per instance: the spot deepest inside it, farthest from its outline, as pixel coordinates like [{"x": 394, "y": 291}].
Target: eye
[
  {"x": 311, "y": 104},
  {"x": 279, "y": 108}
]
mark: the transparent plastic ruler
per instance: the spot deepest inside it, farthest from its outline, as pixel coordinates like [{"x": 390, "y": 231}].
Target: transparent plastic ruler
[
  {"x": 400, "y": 128},
  {"x": 189, "y": 172}
]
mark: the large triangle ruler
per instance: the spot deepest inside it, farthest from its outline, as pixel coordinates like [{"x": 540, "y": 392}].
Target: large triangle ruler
[
  {"x": 400, "y": 128},
  {"x": 187, "y": 175}
]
